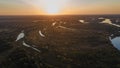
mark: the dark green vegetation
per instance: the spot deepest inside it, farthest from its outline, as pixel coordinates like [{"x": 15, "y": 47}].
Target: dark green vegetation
[{"x": 82, "y": 46}]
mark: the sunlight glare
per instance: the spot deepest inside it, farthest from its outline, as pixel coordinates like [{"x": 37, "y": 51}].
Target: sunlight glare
[
  {"x": 53, "y": 6},
  {"x": 50, "y": 7}
]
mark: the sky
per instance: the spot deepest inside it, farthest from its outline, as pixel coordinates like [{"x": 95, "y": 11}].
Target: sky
[{"x": 45, "y": 7}]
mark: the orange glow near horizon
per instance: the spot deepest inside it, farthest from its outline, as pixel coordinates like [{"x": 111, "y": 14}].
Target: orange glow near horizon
[{"x": 58, "y": 7}]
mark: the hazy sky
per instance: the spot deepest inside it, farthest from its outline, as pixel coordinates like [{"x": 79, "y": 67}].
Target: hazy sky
[{"x": 31, "y": 7}]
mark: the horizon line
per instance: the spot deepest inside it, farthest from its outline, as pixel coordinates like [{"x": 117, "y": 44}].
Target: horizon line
[{"x": 53, "y": 14}]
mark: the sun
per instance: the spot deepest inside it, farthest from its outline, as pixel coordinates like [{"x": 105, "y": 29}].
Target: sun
[
  {"x": 52, "y": 10},
  {"x": 52, "y": 7}
]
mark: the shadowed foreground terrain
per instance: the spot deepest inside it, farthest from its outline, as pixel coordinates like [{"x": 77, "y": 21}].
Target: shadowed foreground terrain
[{"x": 61, "y": 42}]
